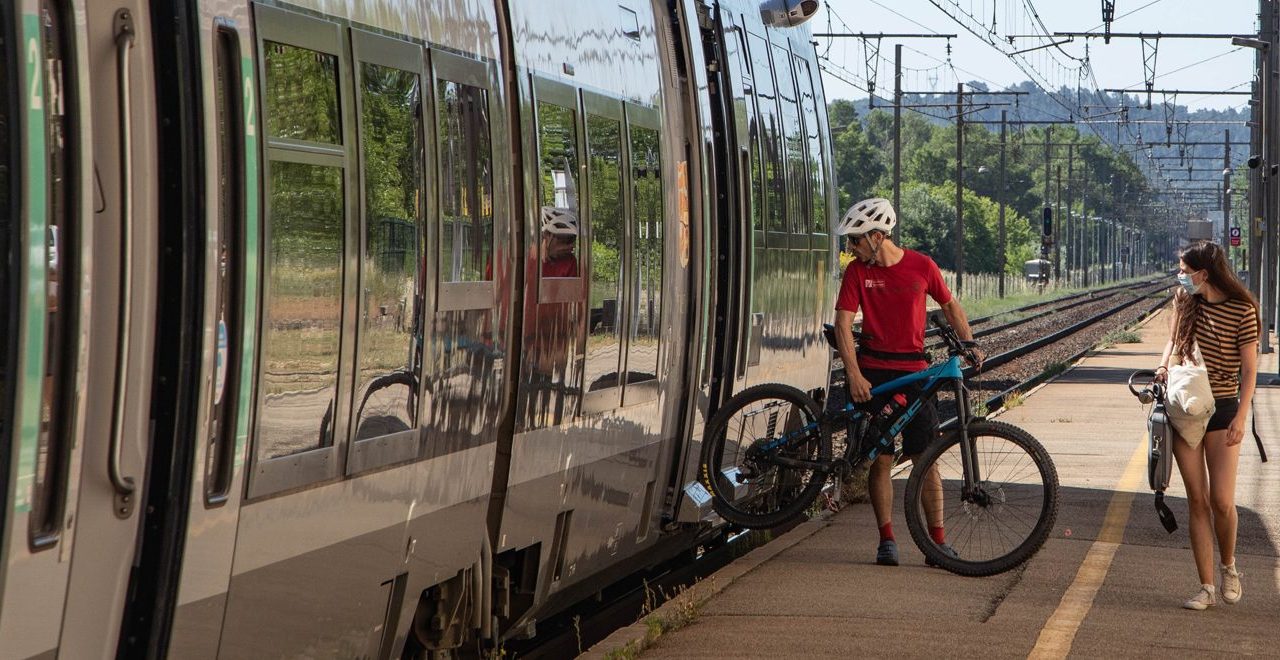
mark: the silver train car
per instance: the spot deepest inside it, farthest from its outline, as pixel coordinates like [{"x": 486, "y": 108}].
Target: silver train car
[{"x": 290, "y": 363}]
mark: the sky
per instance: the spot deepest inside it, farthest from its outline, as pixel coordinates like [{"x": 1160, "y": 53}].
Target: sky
[{"x": 1188, "y": 64}]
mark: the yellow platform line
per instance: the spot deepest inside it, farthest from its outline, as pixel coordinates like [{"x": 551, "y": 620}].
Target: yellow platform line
[{"x": 1060, "y": 630}]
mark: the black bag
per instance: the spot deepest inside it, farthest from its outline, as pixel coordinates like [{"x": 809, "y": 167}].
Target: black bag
[{"x": 1160, "y": 434}]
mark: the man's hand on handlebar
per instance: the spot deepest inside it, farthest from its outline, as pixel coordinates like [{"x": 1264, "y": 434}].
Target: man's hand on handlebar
[{"x": 975, "y": 356}]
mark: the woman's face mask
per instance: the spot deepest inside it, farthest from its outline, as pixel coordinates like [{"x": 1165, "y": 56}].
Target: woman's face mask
[{"x": 1187, "y": 280}]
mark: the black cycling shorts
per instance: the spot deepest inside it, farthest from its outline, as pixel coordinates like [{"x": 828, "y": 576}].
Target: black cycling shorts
[
  {"x": 922, "y": 430},
  {"x": 1224, "y": 411}
]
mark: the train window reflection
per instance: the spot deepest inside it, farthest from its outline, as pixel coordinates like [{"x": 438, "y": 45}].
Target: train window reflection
[
  {"x": 813, "y": 135},
  {"x": 770, "y": 134},
  {"x": 301, "y": 94},
  {"x": 604, "y": 160},
  {"x": 746, "y": 120},
  {"x": 558, "y": 155},
  {"x": 646, "y": 187},
  {"x": 466, "y": 183},
  {"x": 387, "y": 385},
  {"x": 793, "y": 142},
  {"x": 302, "y": 309}
]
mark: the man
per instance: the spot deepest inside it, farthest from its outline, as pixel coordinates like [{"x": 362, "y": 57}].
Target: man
[
  {"x": 888, "y": 283},
  {"x": 559, "y": 238}
]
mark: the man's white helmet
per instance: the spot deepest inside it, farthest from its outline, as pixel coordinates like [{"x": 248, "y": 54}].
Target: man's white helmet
[
  {"x": 559, "y": 221},
  {"x": 868, "y": 215}
]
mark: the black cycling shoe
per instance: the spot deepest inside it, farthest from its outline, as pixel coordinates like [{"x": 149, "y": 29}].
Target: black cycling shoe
[
  {"x": 887, "y": 553},
  {"x": 946, "y": 550}
]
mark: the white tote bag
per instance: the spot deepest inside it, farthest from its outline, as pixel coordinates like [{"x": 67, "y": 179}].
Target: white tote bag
[{"x": 1190, "y": 399}]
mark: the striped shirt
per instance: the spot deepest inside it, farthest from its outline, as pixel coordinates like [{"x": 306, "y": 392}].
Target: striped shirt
[{"x": 1221, "y": 329}]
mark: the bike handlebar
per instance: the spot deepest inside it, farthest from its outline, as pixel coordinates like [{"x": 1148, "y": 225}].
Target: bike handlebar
[{"x": 955, "y": 345}]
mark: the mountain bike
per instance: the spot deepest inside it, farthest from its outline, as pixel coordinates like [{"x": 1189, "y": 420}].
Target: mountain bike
[{"x": 766, "y": 457}]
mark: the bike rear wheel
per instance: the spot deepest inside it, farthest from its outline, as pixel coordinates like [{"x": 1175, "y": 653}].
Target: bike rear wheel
[
  {"x": 1010, "y": 516},
  {"x": 765, "y": 456}
]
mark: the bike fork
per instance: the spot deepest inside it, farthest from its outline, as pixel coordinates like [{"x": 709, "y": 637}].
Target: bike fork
[{"x": 968, "y": 453}]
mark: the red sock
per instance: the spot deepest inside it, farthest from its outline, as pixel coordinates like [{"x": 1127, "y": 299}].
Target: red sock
[
  {"x": 938, "y": 535},
  {"x": 886, "y": 532}
]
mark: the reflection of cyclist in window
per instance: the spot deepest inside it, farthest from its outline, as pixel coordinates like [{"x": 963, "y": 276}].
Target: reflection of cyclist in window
[
  {"x": 889, "y": 283},
  {"x": 559, "y": 242}
]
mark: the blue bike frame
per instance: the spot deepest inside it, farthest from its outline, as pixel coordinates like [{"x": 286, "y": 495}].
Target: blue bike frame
[{"x": 933, "y": 379}]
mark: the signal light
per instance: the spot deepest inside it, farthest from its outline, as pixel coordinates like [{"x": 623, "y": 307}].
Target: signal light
[{"x": 1048, "y": 221}]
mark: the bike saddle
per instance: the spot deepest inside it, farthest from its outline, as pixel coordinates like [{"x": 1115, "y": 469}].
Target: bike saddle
[{"x": 829, "y": 331}]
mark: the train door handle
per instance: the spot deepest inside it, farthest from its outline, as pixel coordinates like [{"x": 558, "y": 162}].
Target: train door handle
[{"x": 125, "y": 487}]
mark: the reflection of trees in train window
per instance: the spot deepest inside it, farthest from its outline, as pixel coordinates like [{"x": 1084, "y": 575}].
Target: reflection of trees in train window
[
  {"x": 646, "y": 304},
  {"x": 813, "y": 135},
  {"x": 466, "y": 182},
  {"x": 390, "y": 114},
  {"x": 302, "y": 94},
  {"x": 558, "y": 158},
  {"x": 770, "y": 135},
  {"x": 302, "y": 308},
  {"x": 604, "y": 162},
  {"x": 793, "y": 142}
]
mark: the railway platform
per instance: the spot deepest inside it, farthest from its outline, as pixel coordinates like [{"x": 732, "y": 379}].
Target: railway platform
[{"x": 1109, "y": 582}]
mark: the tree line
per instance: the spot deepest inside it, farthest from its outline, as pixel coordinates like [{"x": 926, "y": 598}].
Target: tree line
[{"x": 1102, "y": 182}]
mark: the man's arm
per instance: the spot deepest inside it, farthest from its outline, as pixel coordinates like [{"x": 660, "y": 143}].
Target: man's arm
[{"x": 859, "y": 387}]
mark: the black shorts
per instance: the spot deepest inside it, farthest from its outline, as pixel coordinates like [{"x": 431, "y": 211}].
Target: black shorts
[
  {"x": 1224, "y": 411},
  {"x": 922, "y": 430}
]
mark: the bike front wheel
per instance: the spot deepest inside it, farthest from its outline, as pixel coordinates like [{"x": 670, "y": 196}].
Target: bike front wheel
[
  {"x": 1004, "y": 521},
  {"x": 765, "y": 456}
]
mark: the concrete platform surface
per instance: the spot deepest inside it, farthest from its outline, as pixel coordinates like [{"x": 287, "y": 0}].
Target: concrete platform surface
[{"x": 1108, "y": 583}]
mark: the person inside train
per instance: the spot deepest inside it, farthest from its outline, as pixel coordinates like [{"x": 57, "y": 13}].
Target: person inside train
[
  {"x": 559, "y": 240},
  {"x": 1216, "y": 316},
  {"x": 888, "y": 284}
]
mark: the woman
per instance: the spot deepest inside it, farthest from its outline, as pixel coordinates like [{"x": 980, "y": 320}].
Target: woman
[{"x": 1212, "y": 310}]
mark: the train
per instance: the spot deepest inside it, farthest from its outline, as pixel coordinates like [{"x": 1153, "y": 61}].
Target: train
[
  {"x": 1037, "y": 271},
  {"x": 385, "y": 328}
]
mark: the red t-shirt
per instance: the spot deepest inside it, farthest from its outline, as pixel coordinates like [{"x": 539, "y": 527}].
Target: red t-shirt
[
  {"x": 892, "y": 302},
  {"x": 562, "y": 267}
]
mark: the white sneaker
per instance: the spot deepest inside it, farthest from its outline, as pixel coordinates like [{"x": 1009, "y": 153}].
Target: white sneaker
[
  {"x": 1203, "y": 600},
  {"x": 1230, "y": 584}
]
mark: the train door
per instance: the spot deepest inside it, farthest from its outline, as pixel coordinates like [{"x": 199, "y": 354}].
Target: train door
[
  {"x": 117, "y": 318},
  {"x": 100, "y": 382},
  {"x": 45, "y": 200}
]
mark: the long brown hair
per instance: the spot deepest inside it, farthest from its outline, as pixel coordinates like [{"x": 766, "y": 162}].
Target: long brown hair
[{"x": 1211, "y": 258}]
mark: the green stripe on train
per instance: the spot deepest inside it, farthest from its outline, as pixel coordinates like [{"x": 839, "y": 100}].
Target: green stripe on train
[{"x": 31, "y": 386}]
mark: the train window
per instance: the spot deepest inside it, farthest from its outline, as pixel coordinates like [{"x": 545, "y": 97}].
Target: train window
[
  {"x": 558, "y": 167},
  {"x": 53, "y": 446},
  {"x": 388, "y": 358},
  {"x": 301, "y": 94},
  {"x": 646, "y": 260},
  {"x": 793, "y": 144},
  {"x": 604, "y": 320},
  {"x": 770, "y": 135},
  {"x": 466, "y": 183},
  {"x": 229, "y": 126},
  {"x": 809, "y": 95},
  {"x": 308, "y": 240},
  {"x": 464, "y": 139},
  {"x": 746, "y": 122},
  {"x": 303, "y": 309}
]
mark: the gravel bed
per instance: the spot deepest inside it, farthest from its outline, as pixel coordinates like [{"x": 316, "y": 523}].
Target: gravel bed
[{"x": 990, "y": 383}]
